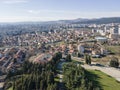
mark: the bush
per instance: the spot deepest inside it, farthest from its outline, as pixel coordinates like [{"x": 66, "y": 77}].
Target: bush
[
  {"x": 114, "y": 62},
  {"x": 68, "y": 58}
]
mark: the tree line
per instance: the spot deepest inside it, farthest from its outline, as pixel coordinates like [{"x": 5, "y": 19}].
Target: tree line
[
  {"x": 75, "y": 78},
  {"x": 34, "y": 76}
]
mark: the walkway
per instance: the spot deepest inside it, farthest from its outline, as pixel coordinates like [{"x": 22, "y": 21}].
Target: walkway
[{"x": 60, "y": 75}]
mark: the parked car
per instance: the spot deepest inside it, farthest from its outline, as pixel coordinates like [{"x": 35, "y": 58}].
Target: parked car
[{"x": 96, "y": 56}]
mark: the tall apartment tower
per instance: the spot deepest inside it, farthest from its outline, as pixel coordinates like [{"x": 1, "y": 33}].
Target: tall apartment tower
[{"x": 115, "y": 30}]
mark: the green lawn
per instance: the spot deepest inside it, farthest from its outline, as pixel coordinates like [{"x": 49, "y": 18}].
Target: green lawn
[
  {"x": 102, "y": 80},
  {"x": 57, "y": 79},
  {"x": 79, "y": 62},
  {"x": 10, "y": 88}
]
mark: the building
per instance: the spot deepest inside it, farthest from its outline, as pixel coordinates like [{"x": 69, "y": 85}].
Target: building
[
  {"x": 101, "y": 39},
  {"x": 81, "y": 49},
  {"x": 115, "y": 32}
]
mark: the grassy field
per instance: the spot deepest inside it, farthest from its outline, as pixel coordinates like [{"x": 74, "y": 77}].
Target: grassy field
[
  {"x": 114, "y": 49},
  {"x": 10, "y": 88},
  {"x": 105, "y": 60},
  {"x": 103, "y": 81},
  {"x": 57, "y": 79}
]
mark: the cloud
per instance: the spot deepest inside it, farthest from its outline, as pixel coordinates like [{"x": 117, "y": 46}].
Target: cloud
[
  {"x": 14, "y": 1},
  {"x": 34, "y": 11},
  {"x": 52, "y": 12}
]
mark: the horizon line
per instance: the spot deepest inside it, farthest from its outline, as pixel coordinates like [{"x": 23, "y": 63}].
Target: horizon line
[{"x": 42, "y": 21}]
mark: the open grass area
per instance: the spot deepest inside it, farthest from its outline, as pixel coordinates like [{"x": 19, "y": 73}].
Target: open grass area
[
  {"x": 79, "y": 62},
  {"x": 57, "y": 79},
  {"x": 102, "y": 80},
  {"x": 11, "y": 88},
  {"x": 105, "y": 60},
  {"x": 114, "y": 49}
]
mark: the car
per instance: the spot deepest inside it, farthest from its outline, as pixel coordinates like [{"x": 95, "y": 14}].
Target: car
[{"x": 96, "y": 56}]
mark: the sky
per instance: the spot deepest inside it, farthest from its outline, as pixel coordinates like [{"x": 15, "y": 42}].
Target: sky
[{"x": 50, "y": 10}]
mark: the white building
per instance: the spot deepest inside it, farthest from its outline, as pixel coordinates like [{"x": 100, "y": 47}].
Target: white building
[
  {"x": 101, "y": 39},
  {"x": 81, "y": 49},
  {"x": 115, "y": 30},
  {"x": 102, "y": 32}
]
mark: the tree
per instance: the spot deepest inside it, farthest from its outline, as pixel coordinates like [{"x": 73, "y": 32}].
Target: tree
[
  {"x": 51, "y": 78},
  {"x": 75, "y": 78},
  {"x": 36, "y": 76},
  {"x": 114, "y": 62},
  {"x": 79, "y": 55},
  {"x": 13, "y": 84},
  {"x": 14, "y": 60},
  {"x": 68, "y": 58},
  {"x": 88, "y": 59}
]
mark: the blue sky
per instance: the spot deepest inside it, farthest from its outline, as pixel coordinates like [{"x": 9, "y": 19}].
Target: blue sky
[{"x": 47, "y": 10}]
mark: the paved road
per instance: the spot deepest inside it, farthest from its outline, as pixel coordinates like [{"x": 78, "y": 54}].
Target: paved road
[{"x": 113, "y": 72}]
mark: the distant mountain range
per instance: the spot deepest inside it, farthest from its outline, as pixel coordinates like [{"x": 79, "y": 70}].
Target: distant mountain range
[
  {"x": 93, "y": 21},
  {"x": 77, "y": 21}
]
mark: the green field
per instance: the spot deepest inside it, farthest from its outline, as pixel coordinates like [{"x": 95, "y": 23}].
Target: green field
[
  {"x": 102, "y": 80},
  {"x": 10, "y": 88},
  {"x": 114, "y": 49}
]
